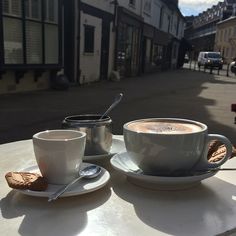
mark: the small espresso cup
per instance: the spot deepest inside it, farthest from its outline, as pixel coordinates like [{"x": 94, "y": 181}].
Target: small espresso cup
[
  {"x": 59, "y": 154},
  {"x": 165, "y": 146}
]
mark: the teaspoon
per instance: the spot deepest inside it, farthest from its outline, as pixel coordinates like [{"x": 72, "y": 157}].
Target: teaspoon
[
  {"x": 116, "y": 102},
  {"x": 88, "y": 172}
]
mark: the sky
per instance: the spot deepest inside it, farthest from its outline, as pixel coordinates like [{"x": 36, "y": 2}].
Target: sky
[{"x": 194, "y": 7}]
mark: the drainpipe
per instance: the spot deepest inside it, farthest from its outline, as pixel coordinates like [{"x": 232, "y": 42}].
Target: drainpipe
[
  {"x": 115, "y": 29},
  {"x": 78, "y": 43}
]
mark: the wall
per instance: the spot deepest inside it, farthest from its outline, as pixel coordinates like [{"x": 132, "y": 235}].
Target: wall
[
  {"x": 104, "y": 5},
  {"x": 27, "y": 83},
  {"x": 137, "y": 9},
  {"x": 225, "y": 40},
  {"x": 156, "y": 11},
  {"x": 90, "y": 62}
]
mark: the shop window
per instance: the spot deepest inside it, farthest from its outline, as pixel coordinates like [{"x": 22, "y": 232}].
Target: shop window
[
  {"x": 51, "y": 44},
  {"x": 157, "y": 54},
  {"x": 33, "y": 43},
  {"x": 30, "y": 51},
  {"x": 13, "y": 40},
  {"x": 12, "y": 7},
  {"x": 51, "y": 11},
  {"x": 6, "y": 6},
  {"x": 89, "y": 39},
  {"x": 51, "y": 32},
  {"x": 33, "y": 9},
  {"x": 148, "y": 51}
]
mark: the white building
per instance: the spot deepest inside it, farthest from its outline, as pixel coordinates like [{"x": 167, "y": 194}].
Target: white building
[{"x": 85, "y": 39}]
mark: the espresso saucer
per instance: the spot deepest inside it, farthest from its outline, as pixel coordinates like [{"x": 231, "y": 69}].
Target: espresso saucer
[
  {"x": 123, "y": 164},
  {"x": 81, "y": 187},
  {"x": 117, "y": 146}
]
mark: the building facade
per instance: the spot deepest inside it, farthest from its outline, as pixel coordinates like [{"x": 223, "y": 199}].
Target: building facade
[
  {"x": 86, "y": 40},
  {"x": 151, "y": 42},
  {"x": 225, "y": 41},
  {"x": 30, "y": 43},
  {"x": 201, "y": 29},
  {"x": 130, "y": 37}
]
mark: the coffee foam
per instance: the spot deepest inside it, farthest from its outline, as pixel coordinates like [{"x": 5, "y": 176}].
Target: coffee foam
[{"x": 164, "y": 127}]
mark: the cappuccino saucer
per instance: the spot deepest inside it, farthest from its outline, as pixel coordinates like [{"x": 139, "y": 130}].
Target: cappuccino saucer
[
  {"x": 82, "y": 187},
  {"x": 117, "y": 146},
  {"x": 122, "y": 163}
]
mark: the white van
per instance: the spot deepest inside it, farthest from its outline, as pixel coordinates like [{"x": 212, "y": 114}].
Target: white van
[{"x": 210, "y": 59}]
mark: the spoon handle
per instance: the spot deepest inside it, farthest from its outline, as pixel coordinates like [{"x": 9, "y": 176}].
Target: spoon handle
[
  {"x": 60, "y": 191},
  {"x": 117, "y": 100}
]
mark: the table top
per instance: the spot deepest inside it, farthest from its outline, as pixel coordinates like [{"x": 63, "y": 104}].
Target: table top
[{"x": 119, "y": 208}]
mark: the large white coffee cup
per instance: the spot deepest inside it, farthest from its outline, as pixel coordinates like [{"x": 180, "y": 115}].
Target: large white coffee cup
[
  {"x": 163, "y": 146},
  {"x": 59, "y": 154}
]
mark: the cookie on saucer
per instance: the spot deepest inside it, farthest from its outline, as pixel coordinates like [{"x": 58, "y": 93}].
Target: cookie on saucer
[
  {"x": 26, "y": 180},
  {"x": 217, "y": 151}
]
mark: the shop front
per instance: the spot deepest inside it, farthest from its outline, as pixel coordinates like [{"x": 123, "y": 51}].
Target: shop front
[
  {"x": 161, "y": 50},
  {"x": 128, "y": 43},
  {"x": 30, "y": 48}
]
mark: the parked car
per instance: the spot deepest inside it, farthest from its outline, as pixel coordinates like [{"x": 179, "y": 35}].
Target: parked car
[
  {"x": 233, "y": 66},
  {"x": 210, "y": 59}
]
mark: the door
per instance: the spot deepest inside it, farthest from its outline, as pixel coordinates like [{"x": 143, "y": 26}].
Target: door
[{"x": 105, "y": 49}]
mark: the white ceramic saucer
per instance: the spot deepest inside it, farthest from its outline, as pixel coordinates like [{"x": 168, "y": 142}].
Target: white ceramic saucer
[
  {"x": 117, "y": 146},
  {"x": 123, "y": 164},
  {"x": 82, "y": 187}
]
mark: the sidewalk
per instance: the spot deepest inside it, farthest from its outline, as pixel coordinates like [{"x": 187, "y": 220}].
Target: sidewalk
[{"x": 182, "y": 93}]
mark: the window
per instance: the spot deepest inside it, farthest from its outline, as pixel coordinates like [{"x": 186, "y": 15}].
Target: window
[
  {"x": 33, "y": 43},
  {"x": 229, "y": 33},
  {"x": 6, "y": 7},
  {"x": 23, "y": 34},
  {"x": 161, "y": 18},
  {"x": 148, "y": 51},
  {"x": 132, "y": 2},
  {"x": 51, "y": 32},
  {"x": 51, "y": 44},
  {"x": 157, "y": 55},
  {"x": 51, "y": 11},
  {"x": 12, "y": 32},
  {"x": 89, "y": 39},
  {"x": 234, "y": 31},
  {"x": 13, "y": 41},
  {"x": 221, "y": 35},
  {"x": 33, "y": 9},
  {"x": 225, "y": 35},
  {"x": 147, "y": 6},
  {"x": 12, "y": 7}
]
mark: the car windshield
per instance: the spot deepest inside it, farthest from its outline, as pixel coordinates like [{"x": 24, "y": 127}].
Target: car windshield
[{"x": 213, "y": 55}]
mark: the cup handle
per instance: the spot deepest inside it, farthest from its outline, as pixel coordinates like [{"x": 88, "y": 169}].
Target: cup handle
[{"x": 204, "y": 163}]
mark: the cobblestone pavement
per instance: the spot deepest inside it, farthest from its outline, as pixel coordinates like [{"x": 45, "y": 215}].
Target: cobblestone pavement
[{"x": 182, "y": 93}]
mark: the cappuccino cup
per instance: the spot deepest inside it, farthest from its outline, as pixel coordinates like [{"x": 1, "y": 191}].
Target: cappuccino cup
[
  {"x": 164, "y": 146},
  {"x": 59, "y": 154}
]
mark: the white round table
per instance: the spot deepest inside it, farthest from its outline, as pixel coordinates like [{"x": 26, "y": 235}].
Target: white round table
[{"x": 119, "y": 208}]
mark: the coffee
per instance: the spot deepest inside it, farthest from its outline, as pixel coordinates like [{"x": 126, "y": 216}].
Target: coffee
[{"x": 164, "y": 127}]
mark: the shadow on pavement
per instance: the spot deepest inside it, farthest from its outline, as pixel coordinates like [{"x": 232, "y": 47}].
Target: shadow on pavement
[{"x": 181, "y": 93}]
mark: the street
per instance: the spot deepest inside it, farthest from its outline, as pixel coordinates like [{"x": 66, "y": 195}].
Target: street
[{"x": 181, "y": 93}]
